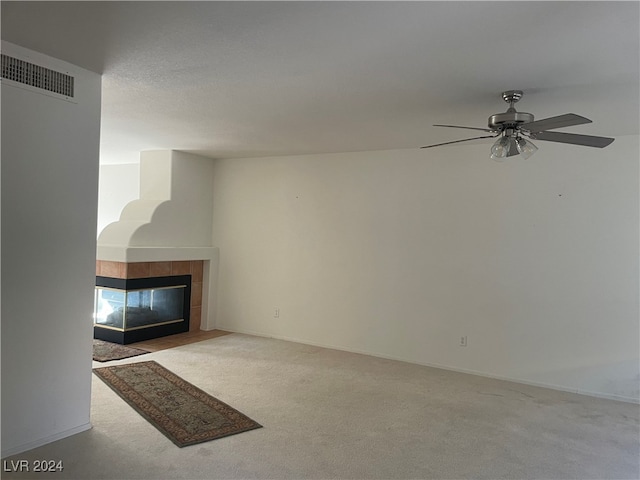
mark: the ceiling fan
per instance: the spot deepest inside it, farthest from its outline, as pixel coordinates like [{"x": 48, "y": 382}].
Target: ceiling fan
[{"x": 514, "y": 128}]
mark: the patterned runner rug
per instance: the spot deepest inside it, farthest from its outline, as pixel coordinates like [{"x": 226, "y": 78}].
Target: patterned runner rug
[
  {"x": 181, "y": 411},
  {"x": 107, "y": 351}
]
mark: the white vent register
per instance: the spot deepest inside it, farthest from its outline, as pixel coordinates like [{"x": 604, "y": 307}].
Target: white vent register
[{"x": 37, "y": 76}]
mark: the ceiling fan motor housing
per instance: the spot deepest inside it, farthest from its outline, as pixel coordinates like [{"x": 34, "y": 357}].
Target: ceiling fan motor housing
[{"x": 509, "y": 119}]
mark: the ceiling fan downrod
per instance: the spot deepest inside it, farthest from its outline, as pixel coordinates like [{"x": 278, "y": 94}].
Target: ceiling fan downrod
[{"x": 511, "y": 97}]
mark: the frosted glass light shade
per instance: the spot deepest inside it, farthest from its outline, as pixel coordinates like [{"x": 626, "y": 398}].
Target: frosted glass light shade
[
  {"x": 525, "y": 147},
  {"x": 500, "y": 149}
]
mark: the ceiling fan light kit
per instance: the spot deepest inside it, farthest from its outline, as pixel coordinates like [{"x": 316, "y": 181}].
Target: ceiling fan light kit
[
  {"x": 512, "y": 127},
  {"x": 509, "y": 145}
]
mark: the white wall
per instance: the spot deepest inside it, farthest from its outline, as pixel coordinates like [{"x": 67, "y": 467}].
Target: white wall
[
  {"x": 399, "y": 253},
  {"x": 119, "y": 184},
  {"x": 49, "y": 204},
  {"x": 174, "y": 208}
]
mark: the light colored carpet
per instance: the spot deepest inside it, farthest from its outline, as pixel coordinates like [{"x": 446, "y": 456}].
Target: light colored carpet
[{"x": 330, "y": 414}]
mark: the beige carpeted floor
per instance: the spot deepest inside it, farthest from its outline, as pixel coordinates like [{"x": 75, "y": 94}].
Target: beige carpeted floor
[{"x": 330, "y": 414}]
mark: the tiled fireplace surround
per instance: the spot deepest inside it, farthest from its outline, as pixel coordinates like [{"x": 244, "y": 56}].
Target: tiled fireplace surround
[{"x": 194, "y": 268}]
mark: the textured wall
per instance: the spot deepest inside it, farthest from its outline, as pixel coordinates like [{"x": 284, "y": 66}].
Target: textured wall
[
  {"x": 49, "y": 209},
  {"x": 400, "y": 253}
]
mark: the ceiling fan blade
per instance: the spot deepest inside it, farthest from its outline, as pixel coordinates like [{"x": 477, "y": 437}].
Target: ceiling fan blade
[
  {"x": 566, "y": 120},
  {"x": 468, "y": 128},
  {"x": 458, "y": 141},
  {"x": 574, "y": 139}
]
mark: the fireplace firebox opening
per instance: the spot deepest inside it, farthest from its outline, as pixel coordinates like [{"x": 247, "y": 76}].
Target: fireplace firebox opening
[{"x": 133, "y": 310}]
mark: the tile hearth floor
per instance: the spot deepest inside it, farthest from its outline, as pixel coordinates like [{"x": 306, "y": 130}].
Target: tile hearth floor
[{"x": 177, "y": 340}]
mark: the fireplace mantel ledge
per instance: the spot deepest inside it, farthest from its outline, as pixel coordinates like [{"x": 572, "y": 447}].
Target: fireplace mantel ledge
[{"x": 154, "y": 254}]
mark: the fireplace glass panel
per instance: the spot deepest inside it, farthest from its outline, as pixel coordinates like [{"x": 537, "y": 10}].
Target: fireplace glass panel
[{"x": 126, "y": 310}]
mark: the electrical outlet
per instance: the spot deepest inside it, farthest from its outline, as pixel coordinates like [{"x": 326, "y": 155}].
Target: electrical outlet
[
  {"x": 463, "y": 341},
  {"x": 276, "y": 312}
]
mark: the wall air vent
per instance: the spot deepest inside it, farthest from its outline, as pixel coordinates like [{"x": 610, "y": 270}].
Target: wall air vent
[{"x": 36, "y": 76}]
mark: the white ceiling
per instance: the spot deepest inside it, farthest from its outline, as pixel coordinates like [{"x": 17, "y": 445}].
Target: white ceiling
[{"x": 239, "y": 79}]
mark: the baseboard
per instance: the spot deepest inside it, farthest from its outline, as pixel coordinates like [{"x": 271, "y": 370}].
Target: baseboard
[
  {"x": 43, "y": 441},
  {"x": 608, "y": 396},
  {"x": 561, "y": 388}
]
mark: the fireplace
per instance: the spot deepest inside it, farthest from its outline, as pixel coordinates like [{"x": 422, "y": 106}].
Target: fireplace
[
  {"x": 167, "y": 231},
  {"x": 132, "y": 310},
  {"x": 132, "y": 285}
]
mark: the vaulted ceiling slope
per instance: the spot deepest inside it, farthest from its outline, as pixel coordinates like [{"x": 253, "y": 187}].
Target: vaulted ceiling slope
[{"x": 242, "y": 79}]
